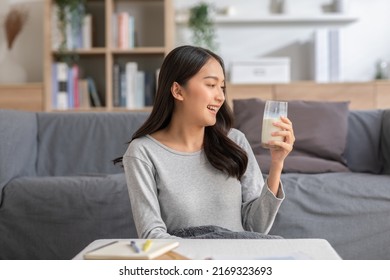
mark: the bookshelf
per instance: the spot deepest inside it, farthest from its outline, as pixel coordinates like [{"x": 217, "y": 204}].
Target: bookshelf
[{"x": 153, "y": 40}]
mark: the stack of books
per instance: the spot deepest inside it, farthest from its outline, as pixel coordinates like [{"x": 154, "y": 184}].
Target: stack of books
[
  {"x": 326, "y": 55},
  {"x": 123, "y": 31},
  {"x": 69, "y": 91},
  {"x": 132, "y": 87}
]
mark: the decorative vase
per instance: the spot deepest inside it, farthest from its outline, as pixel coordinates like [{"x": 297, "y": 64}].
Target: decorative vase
[
  {"x": 284, "y": 6},
  {"x": 340, "y": 6},
  {"x": 11, "y": 72}
]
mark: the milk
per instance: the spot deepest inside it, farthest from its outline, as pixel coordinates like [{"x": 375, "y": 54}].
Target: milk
[{"x": 267, "y": 130}]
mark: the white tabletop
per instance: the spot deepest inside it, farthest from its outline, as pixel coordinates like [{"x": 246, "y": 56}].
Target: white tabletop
[{"x": 198, "y": 249}]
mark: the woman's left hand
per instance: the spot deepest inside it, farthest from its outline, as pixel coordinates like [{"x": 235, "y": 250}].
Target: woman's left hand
[{"x": 280, "y": 149}]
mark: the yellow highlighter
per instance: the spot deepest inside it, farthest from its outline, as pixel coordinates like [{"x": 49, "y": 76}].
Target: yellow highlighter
[{"x": 147, "y": 245}]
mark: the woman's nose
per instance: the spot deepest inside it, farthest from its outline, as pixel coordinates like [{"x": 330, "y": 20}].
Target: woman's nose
[{"x": 220, "y": 96}]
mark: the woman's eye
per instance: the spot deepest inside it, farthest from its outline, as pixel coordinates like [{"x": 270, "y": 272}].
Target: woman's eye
[{"x": 210, "y": 85}]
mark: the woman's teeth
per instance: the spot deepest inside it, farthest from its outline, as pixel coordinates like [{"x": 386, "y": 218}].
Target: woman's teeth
[{"x": 212, "y": 108}]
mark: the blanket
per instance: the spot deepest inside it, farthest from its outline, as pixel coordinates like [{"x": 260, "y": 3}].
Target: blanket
[{"x": 216, "y": 232}]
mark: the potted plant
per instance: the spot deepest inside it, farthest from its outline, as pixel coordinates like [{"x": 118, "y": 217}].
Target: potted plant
[
  {"x": 202, "y": 26},
  {"x": 69, "y": 12}
]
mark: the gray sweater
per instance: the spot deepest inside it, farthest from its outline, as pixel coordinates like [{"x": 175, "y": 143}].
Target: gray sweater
[{"x": 171, "y": 190}]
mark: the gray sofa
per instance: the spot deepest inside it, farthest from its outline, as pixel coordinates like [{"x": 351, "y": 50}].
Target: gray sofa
[
  {"x": 60, "y": 190},
  {"x": 59, "y": 187}
]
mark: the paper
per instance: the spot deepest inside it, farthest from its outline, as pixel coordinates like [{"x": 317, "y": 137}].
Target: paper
[{"x": 122, "y": 250}]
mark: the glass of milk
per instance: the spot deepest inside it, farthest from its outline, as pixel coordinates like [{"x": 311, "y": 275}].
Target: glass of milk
[{"x": 272, "y": 113}]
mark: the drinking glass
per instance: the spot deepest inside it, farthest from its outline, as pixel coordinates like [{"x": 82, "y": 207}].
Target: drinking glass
[{"x": 272, "y": 112}]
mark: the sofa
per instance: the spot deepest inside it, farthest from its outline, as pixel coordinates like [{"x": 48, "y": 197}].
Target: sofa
[
  {"x": 59, "y": 187},
  {"x": 60, "y": 190}
]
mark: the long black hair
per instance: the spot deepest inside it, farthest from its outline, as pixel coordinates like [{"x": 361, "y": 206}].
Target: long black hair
[{"x": 180, "y": 65}]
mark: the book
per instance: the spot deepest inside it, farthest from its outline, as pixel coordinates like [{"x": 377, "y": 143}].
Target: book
[
  {"x": 122, "y": 250},
  {"x": 70, "y": 44},
  {"x": 140, "y": 90},
  {"x": 123, "y": 30},
  {"x": 150, "y": 88},
  {"x": 114, "y": 24},
  {"x": 131, "y": 84},
  {"x": 85, "y": 102},
  {"x": 334, "y": 55},
  {"x": 116, "y": 86},
  {"x": 131, "y": 32},
  {"x": 321, "y": 55},
  {"x": 123, "y": 85},
  {"x": 87, "y": 31},
  {"x": 94, "y": 94},
  {"x": 54, "y": 85},
  {"x": 76, "y": 93},
  {"x": 56, "y": 35},
  {"x": 62, "y": 88},
  {"x": 70, "y": 88}
]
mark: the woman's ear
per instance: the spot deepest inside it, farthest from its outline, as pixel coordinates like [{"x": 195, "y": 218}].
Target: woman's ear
[{"x": 176, "y": 91}]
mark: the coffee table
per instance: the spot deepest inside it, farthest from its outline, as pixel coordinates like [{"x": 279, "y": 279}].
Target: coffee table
[{"x": 199, "y": 249}]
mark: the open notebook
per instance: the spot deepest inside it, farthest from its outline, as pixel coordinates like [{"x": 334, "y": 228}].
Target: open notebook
[{"x": 122, "y": 250}]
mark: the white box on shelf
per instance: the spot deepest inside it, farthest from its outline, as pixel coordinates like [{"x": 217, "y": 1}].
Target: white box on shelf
[{"x": 259, "y": 71}]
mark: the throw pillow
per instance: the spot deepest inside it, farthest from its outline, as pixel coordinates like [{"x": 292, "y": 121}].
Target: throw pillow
[
  {"x": 363, "y": 150},
  {"x": 320, "y": 130},
  {"x": 385, "y": 141}
]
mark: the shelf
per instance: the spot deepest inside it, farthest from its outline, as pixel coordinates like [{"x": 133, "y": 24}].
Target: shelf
[
  {"x": 93, "y": 51},
  {"x": 324, "y": 18},
  {"x": 102, "y": 109},
  {"x": 97, "y": 51},
  {"x": 27, "y": 97},
  {"x": 140, "y": 50}
]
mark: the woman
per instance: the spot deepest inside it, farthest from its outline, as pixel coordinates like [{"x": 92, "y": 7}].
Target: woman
[{"x": 187, "y": 167}]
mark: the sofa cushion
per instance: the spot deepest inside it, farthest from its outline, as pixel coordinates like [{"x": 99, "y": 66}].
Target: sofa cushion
[
  {"x": 320, "y": 129},
  {"x": 350, "y": 210},
  {"x": 84, "y": 143},
  {"x": 296, "y": 163},
  {"x": 59, "y": 216},
  {"x": 364, "y": 134},
  {"x": 385, "y": 141},
  {"x": 18, "y": 145}
]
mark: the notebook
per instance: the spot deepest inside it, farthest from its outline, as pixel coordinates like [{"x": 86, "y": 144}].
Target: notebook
[{"x": 122, "y": 250}]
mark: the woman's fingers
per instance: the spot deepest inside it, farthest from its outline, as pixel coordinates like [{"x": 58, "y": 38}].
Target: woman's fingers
[
  {"x": 281, "y": 146},
  {"x": 287, "y": 130}
]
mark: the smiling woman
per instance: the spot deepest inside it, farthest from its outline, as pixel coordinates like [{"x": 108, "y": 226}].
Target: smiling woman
[{"x": 187, "y": 167}]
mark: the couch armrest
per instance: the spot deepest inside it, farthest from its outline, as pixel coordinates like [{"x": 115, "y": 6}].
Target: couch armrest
[{"x": 18, "y": 145}]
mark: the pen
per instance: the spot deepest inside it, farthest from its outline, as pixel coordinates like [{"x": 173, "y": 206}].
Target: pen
[
  {"x": 134, "y": 246},
  {"x": 147, "y": 245},
  {"x": 101, "y": 247}
]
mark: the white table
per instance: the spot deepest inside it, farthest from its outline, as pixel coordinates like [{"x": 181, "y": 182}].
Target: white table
[{"x": 198, "y": 249}]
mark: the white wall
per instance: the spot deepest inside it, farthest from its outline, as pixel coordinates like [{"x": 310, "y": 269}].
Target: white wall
[
  {"x": 28, "y": 47},
  {"x": 363, "y": 42}
]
